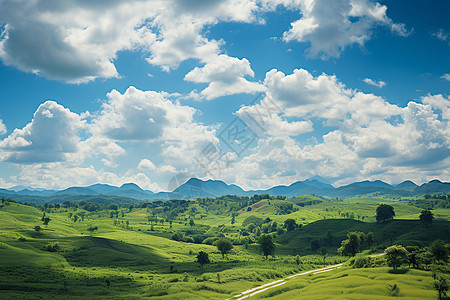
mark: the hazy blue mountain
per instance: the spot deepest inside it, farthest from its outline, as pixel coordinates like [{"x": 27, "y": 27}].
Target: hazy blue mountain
[
  {"x": 103, "y": 188},
  {"x": 132, "y": 190},
  {"x": 195, "y": 188},
  {"x": 406, "y": 185},
  {"x": 434, "y": 186}
]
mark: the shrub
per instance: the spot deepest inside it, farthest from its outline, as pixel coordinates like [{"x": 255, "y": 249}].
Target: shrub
[
  {"x": 53, "y": 247},
  {"x": 361, "y": 262}
]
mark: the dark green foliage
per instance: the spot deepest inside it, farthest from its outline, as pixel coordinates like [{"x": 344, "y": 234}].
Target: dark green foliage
[
  {"x": 202, "y": 258},
  {"x": 426, "y": 217},
  {"x": 252, "y": 220},
  {"x": 290, "y": 224},
  {"x": 441, "y": 286},
  {"x": 224, "y": 245},
  {"x": 46, "y": 220},
  {"x": 396, "y": 256},
  {"x": 384, "y": 213},
  {"x": 361, "y": 261},
  {"x": 37, "y": 228},
  {"x": 315, "y": 245},
  {"x": 91, "y": 229},
  {"x": 439, "y": 250},
  {"x": 266, "y": 245},
  {"x": 350, "y": 246},
  {"x": 53, "y": 247}
]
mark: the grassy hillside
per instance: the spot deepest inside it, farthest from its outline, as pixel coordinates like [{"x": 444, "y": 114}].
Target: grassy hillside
[
  {"x": 133, "y": 254},
  {"x": 375, "y": 283}
]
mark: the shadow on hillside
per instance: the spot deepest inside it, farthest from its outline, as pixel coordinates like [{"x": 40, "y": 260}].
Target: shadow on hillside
[
  {"x": 96, "y": 251},
  {"x": 398, "y": 271}
]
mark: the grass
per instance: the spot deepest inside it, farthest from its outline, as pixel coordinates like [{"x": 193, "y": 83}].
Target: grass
[
  {"x": 120, "y": 261},
  {"x": 356, "y": 284}
]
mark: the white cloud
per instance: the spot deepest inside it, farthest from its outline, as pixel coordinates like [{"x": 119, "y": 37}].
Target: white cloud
[
  {"x": 2, "y": 127},
  {"x": 446, "y": 77},
  {"x": 52, "y": 135},
  {"x": 378, "y": 83},
  {"x": 331, "y": 26},
  {"x": 441, "y": 35},
  {"x": 225, "y": 76},
  {"x": 60, "y": 175},
  {"x": 302, "y": 95},
  {"x": 367, "y": 137},
  {"x": 83, "y": 40},
  {"x": 146, "y": 164}
]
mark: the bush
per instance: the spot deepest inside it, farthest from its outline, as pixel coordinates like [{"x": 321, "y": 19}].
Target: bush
[
  {"x": 53, "y": 247},
  {"x": 361, "y": 262}
]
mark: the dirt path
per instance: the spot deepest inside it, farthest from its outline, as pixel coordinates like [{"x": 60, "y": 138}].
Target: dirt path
[{"x": 262, "y": 288}]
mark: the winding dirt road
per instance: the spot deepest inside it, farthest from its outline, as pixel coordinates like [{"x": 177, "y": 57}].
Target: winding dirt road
[{"x": 262, "y": 288}]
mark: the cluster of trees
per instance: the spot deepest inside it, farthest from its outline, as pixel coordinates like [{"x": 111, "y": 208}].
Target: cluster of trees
[{"x": 356, "y": 240}]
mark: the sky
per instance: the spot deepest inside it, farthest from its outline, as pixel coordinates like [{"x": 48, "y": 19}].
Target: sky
[{"x": 252, "y": 92}]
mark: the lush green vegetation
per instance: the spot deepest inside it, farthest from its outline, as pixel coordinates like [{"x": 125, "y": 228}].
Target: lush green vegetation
[{"x": 212, "y": 248}]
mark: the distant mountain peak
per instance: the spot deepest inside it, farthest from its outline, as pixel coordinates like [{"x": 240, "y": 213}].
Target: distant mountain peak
[
  {"x": 319, "y": 179},
  {"x": 130, "y": 185}
]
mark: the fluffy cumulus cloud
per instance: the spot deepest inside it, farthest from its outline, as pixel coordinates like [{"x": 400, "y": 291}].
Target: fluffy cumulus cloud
[
  {"x": 57, "y": 139},
  {"x": 331, "y": 26},
  {"x": 84, "y": 40},
  {"x": 366, "y": 137},
  {"x": 149, "y": 116},
  {"x": 446, "y": 77},
  {"x": 59, "y": 175},
  {"x": 52, "y": 135},
  {"x": 225, "y": 76}
]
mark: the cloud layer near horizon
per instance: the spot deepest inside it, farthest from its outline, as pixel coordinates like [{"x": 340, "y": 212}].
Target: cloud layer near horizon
[{"x": 366, "y": 137}]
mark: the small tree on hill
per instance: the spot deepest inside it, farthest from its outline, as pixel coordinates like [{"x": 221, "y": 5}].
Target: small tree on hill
[
  {"x": 350, "y": 246},
  {"x": 224, "y": 245},
  {"x": 91, "y": 229},
  {"x": 323, "y": 252},
  {"x": 384, "y": 213},
  {"x": 426, "y": 217},
  {"x": 191, "y": 222},
  {"x": 266, "y": 245},
  {"x": 290, "y": 224},
  {"x": 202, "y": 258},
  {"x": 441, "y": 286},
  {"x": 46, "y": 220},
  {"x": 439, "y": 250},
  {"x": 37, "y": 228},
  {"x": 396, "y": 256}
]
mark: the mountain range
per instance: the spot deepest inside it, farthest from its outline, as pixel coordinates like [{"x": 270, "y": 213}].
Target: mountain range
[{"x": 195, "y": 188}]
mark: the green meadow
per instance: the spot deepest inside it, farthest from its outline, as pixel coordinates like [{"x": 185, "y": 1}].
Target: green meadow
[{"x": 150, "y": 249}]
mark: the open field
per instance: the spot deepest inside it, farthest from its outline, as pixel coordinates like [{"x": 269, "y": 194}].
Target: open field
[{"x": 131, "y": 256}]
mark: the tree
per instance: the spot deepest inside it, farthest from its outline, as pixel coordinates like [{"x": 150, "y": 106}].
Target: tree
[
  {"x": 202, "y": 258},
  {"x": 290, "y": 224},
  {"x": 441, "y": 286},
  {"x": 46, "y": 220},
  {"x": 191, "y": 222},
  {"x": 37, "y": 228},
  {"x": 350, "y": 246},
  {"x": 439, "y": 251},
  {"x": 266, "y": 245},
  {"x": 370, "y": 239},
  {"x": 224, "y": 245},
  {"x": 92, "y": 229},
  {"x": 323, "y": 252},
  {"x": 384, "y": 213},
  {"x": 426, "y": 216},
  {"x": 396, "y": 255}
]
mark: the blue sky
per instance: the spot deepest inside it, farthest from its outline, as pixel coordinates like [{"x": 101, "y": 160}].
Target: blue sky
[{"x": 144, "y": 90}]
